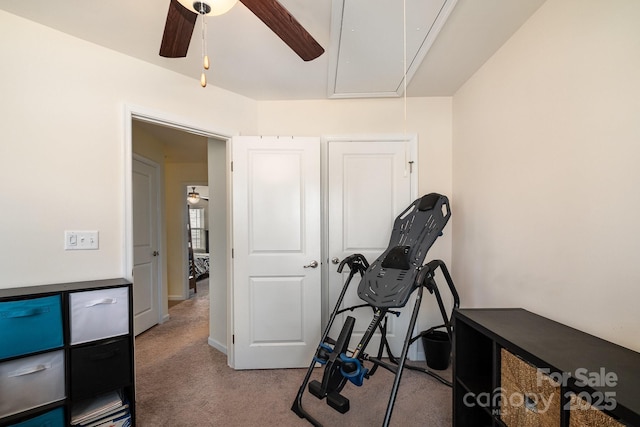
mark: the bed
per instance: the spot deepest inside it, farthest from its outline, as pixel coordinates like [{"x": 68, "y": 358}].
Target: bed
[{"x": 201, "y": 264}]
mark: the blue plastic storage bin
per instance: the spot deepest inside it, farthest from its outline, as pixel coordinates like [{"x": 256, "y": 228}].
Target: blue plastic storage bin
[
  {"x": 53, "y": 418},
  {"x": 31, "y": 325}
]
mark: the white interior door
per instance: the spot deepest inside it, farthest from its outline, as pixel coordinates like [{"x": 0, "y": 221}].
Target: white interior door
[
  {"x": 276, "y": 238},
  {"x": 145, "y": 182},
  {"x": 369, "y": 184}
]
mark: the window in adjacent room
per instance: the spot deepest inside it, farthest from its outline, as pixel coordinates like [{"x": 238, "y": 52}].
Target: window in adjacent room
[{"x": 198, "y": 235}]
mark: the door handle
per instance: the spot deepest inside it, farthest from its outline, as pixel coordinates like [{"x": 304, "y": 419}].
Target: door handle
[
  {"x": 335, "y": 260},
  {"x": 312, "y": 264}
]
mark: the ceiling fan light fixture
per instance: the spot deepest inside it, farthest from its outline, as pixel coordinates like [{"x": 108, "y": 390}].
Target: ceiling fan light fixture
[
  {"x": 193, "y": 196},
  {"x": 209, "y": 7}
]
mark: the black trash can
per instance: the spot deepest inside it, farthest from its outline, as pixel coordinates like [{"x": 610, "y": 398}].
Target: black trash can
[{"x": 437, "y": 349}]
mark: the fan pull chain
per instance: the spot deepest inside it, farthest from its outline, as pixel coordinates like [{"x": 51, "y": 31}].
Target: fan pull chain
[
  {"x": 205, "y": 57},
  {"x": 404, "y": 89},
  {"x": 404, "y": 62}
]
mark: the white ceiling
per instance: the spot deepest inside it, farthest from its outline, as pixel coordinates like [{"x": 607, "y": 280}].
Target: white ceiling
[
  {"x": 247, "y": 58},
  {"x": 178, "y": 146}
]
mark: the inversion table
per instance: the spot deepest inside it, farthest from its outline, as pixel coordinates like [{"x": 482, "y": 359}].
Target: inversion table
[{"x": 385, "y": 285}]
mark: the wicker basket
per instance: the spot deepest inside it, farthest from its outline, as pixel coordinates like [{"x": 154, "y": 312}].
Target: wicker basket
[
  {"x": 582, "y": 414},
  {"x": 529, "y": 398}
]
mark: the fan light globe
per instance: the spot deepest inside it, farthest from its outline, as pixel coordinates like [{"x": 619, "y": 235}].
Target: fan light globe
[
  {"x": 211, "y": 7},
  {"x": 193, "y": 196}
]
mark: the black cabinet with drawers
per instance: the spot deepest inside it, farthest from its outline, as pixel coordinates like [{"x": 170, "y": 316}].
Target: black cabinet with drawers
[
  {"x": 515, "y": 368},
  {"x": 66, "y": 350}
]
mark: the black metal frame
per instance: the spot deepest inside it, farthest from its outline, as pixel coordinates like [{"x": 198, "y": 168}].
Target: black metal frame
[{"x": 341, "y": 364}]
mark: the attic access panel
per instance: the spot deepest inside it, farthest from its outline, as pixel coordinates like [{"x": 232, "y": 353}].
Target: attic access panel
[{"x": 367, "y": 40}]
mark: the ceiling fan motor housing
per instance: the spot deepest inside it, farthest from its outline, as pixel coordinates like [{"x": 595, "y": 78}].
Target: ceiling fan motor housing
[
  {"x": 208, "y": 7},
  {"x": 202, "y": 7}
]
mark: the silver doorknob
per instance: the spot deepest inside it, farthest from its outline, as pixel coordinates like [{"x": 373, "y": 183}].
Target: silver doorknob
[
  {"x": 313, "y": 264},
  {"x": 155, "y": 253},
  {"x": 335, "y": 260}
]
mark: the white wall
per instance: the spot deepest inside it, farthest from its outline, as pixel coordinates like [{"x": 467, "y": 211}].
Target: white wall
[
  {"x": 62, "y": 159},
  {"x": 545, "y": 171},
  {"x": 219, "y": 256},
  {"x": 429, "y": 118},
  {"x": 62, "y": 125}
]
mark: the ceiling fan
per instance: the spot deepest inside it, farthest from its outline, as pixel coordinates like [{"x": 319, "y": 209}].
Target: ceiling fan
[{"x": 181, "y": 22}]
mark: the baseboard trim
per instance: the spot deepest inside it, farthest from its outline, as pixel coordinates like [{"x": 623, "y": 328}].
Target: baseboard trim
[{"x": 217, "y": 345}]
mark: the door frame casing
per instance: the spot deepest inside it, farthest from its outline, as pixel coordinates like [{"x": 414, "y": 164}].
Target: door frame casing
[{"x": 135, "y": 112}]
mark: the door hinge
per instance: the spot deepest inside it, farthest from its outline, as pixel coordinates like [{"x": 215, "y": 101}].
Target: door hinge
[
  {"x": 233, "y": 339},
  {"x": 232, "y": 253},
  {"x": 231, "y": 166},
  {"x": 411, "y": 166}
]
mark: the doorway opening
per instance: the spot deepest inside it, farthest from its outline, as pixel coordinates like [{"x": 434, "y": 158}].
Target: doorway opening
[
  {"x": 197, "y": 239},
  {"x": 173, "y": 143}
]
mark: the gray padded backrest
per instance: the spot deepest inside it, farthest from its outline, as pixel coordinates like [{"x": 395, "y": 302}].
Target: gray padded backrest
[{"x": 390, "y": 279}]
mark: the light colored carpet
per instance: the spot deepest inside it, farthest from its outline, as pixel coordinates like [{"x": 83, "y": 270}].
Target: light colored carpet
[{"x": 182, "y": 381}]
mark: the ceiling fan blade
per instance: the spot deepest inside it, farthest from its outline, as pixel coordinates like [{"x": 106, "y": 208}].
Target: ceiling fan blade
[
  {"x": 177, "y": 31},
  {"x": 281, "y": 22}
]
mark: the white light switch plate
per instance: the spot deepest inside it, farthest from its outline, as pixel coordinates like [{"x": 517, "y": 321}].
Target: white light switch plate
[{"x": 81, "y": 240}]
